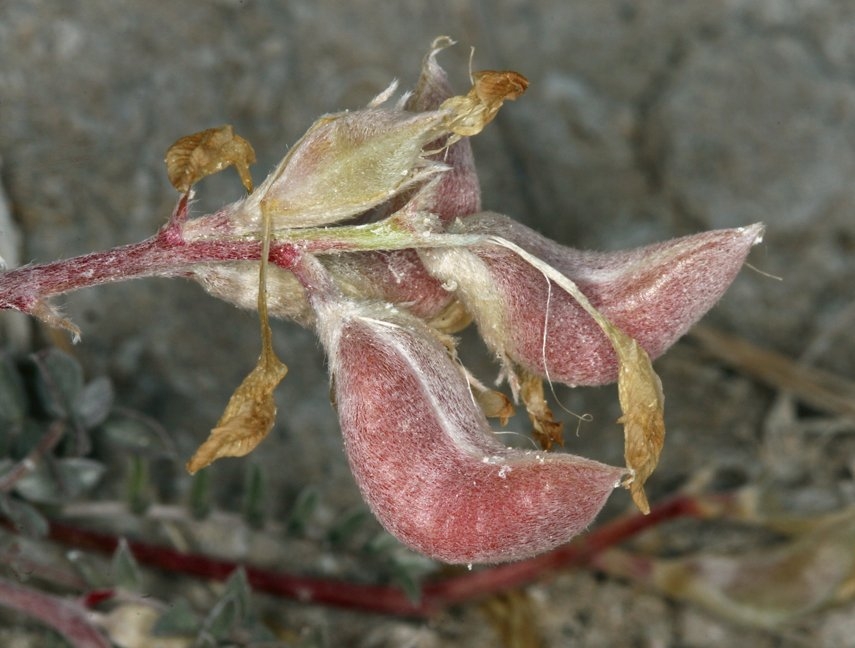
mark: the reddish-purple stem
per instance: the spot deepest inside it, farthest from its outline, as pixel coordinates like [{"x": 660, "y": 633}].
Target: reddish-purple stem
[
  {"x": 160, "y": 255},
  {"x": 66, "y": 617},
  {"x": 436, "y": 595},
  {"x": 167, "y": 254}
]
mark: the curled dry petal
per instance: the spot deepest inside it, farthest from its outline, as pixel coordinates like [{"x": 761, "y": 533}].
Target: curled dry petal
[
  {"x": 251, "y": 411},
  {"x": 195, "y": 156},
  {"x": 653, "y": 294},
  {"x": 642, "y": 403},
  {"x": 490, "y": 89},
  {"x": 247, "y": 419},
  {"x": 425, "y": 458},
  {"x": 547, "y": 431}
]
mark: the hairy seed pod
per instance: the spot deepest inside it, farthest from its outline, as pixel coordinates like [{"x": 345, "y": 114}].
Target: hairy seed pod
[
  {"x": 652, "y": 293},
  {"x": 424, "y": 456}
]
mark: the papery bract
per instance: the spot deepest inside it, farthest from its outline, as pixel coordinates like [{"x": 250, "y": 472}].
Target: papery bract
[
  {"x": 653, "y": 294},
  {"x": 346, "y": 164},
  {"x": 398, "y": 276},
  {"x": 425, "y": 458}
]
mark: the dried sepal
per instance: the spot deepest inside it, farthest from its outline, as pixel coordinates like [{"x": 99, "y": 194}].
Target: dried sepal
[
  {"x": 247, "y": 419},
  {"x": 251, "y": 411},
  {"x": 547, "y": 431},
  {"x": 201, "y": 154},
  {"x": 471, "y": 112},
  {"x": 348, "y": 163},
  {"x": 642, "y": 403},
  {"x": 49, "y": 314},
  {"x": 493, "y": 403}
]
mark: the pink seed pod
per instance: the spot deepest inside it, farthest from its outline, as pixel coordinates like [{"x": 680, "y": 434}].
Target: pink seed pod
[
  {"x": 458, "y": 191},
  {"x": 653, "y": 293},
  {"x": 424, "y": 456}
]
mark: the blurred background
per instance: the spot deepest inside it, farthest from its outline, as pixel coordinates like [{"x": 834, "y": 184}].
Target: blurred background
[{"x": 643, "y": 121}]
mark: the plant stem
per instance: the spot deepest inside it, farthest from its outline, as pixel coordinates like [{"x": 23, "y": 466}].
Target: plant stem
[
  {"x": 65, "y": 617},
  {"x": 182, "y": 244},
  {"x": 436, "y": 595}
]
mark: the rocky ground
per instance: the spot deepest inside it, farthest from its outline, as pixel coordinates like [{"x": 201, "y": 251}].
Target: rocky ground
[{"x": 643, "y": 121}]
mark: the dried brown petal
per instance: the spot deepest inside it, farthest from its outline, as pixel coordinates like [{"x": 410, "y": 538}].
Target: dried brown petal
[
  {"x": 493, "y": 403},
  {"x": 251, "y": 411},
  {"x": 247, "y": 419},
  {"x": 642, "y": 403},
  {"x": 493, "y": 87},
  {"x": 195, "y": 156},
  {"x": 473, "y": 111},
  {"x": 547, "y": 431}
]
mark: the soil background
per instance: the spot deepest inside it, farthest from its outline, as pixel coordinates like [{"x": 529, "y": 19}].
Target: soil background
[{"x": 643, "y": 121}]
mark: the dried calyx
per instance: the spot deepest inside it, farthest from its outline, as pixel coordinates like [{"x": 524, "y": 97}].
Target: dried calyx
[{"x": 372, "y": 231}]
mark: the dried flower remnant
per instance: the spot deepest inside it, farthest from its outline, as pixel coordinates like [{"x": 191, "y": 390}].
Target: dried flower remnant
[
  {"x": 251, "y": 411},
  {"x": 546, "y": 430},
  {"x": 248, "y": 417},
  {"x": 493, "y": 403},
  {"x": 201, "y": 154},
  {"x": 642, "y": 403},
  {"x": 473, "y": 111}
]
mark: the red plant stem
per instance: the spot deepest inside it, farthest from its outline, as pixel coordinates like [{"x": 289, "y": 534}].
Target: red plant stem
[
  {"x": 161, "y": 255},
  {"x": 436, "y": 595},
  {"x": 67, "y": 618},
  {"x": 476, "y": 584}
]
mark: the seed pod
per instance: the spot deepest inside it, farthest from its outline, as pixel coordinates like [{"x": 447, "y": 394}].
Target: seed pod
[
  {"x": 458, "y": 191},
  {"x": 653, "y": 294},
  {"x": 425, "y": 458}
]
